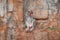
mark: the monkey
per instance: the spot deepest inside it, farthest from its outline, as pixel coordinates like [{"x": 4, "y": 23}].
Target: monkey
[{"x": 29, "y": 21}]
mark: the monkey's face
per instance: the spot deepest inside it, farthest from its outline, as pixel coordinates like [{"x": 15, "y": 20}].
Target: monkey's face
[{"x": 30, "y": 13}]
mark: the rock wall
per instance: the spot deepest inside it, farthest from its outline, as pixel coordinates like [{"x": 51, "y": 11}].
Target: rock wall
[{"x": 48, "y": 29}]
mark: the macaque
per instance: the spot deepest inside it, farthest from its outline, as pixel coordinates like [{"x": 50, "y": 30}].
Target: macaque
[{"x": 29, "y": 21}]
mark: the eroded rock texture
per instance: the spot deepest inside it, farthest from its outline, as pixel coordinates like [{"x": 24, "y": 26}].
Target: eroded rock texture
[{"x": 12, "y": 24}]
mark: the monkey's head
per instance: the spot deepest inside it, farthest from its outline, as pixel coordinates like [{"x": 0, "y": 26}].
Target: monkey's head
[{"x": 30, "y": 13}]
